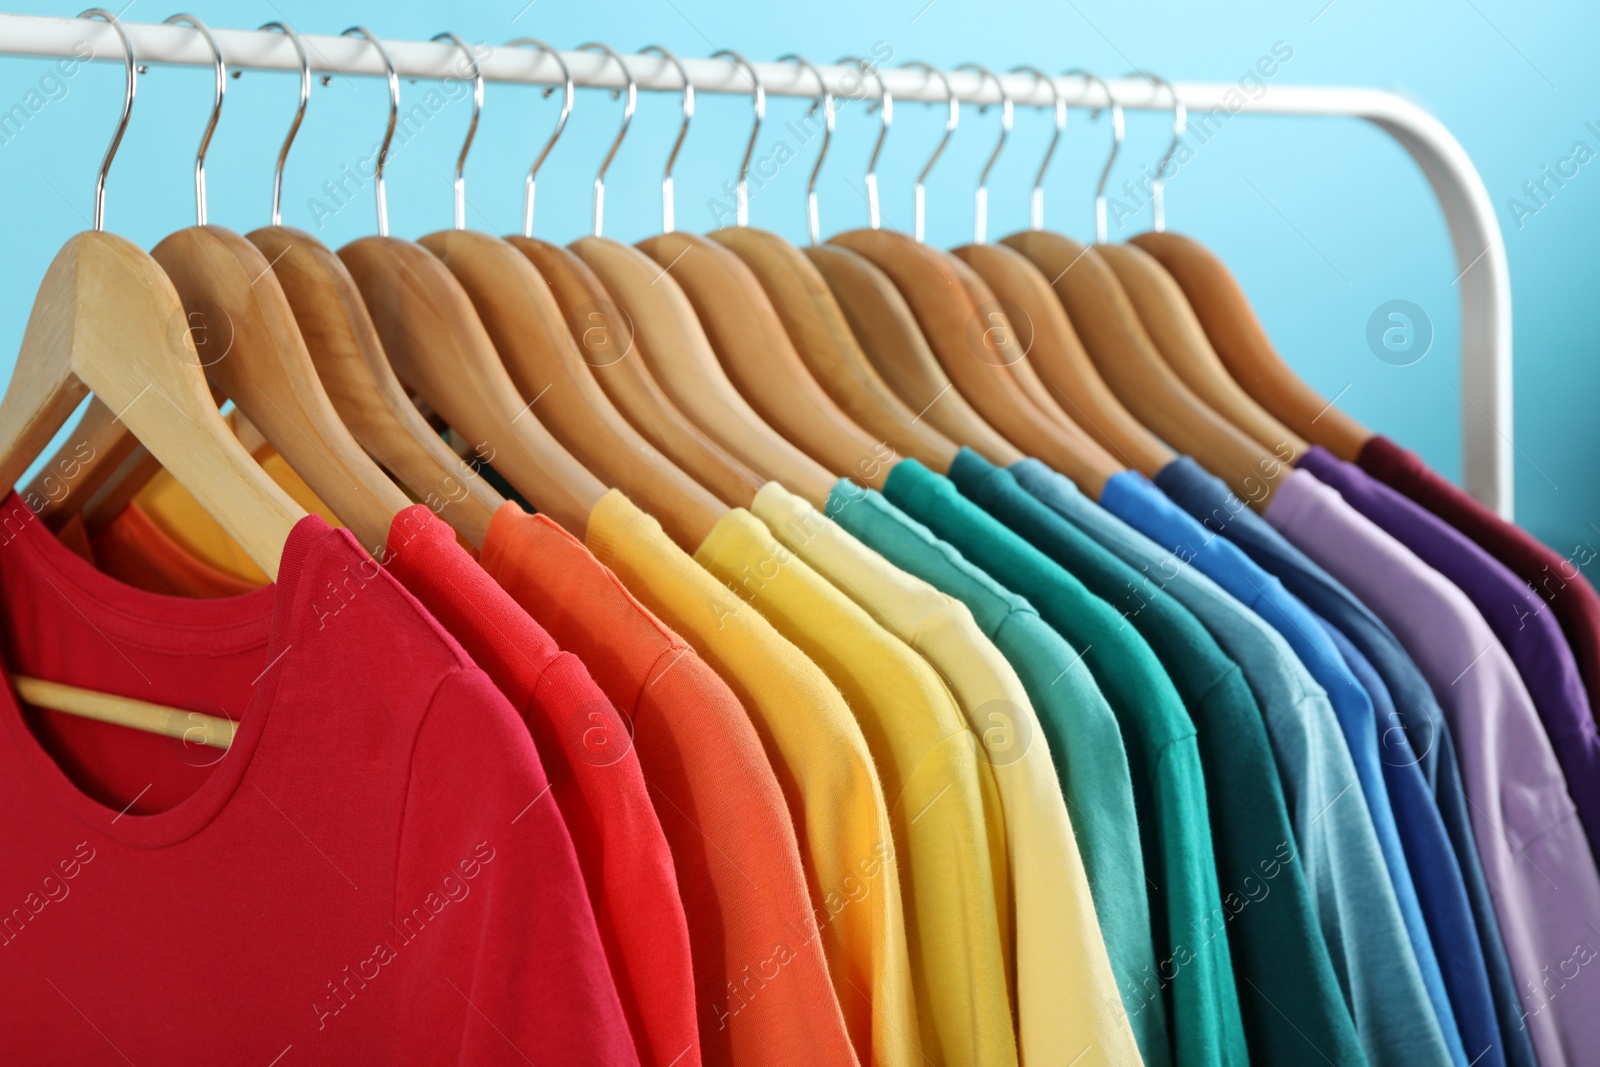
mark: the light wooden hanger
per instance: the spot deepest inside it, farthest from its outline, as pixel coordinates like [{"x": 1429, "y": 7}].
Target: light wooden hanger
[
  {"x": 973, "y": 343},
  {"x": 813, "y": 321},
  {"x": 667, "y": 333},
  {"x": 530, "y": 333},
  {"x": 438, "y": 346},
  {"x": 749, "y": 339},
  {"x": 1071, "y": 385},
  {"x": 107, "y": 320},
  {"x": 1171, "y": 322},
  {"x": 605, "y": 334},
  {"x": 1117, "y": 341},
  {"x": 255, "y": 355},
  {"x": 351, "y": 364}
]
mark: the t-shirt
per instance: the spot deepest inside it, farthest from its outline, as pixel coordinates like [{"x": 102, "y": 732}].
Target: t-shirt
[
  {"x": 133, "y": 549},
  {"x": 372, "y": 871},
  {"x": 1406, "y": 741},
  {"x": 1288, "y": 994},
  {"x": 1556, "y": 579},
  {"x": 1193, "y": 982},
  {"x": 733, "y": 843},
  {"x": 930, "y": 769},
  {"x": 1546, "y": 887},
  {"x": 1085, "y": 744},
  {"x": 1514, "y": 612},
  {"x": 1360, "y": 914},
  {"x": 1408, "y": 706},
  {"x": 594, "y": 778},
  {"x": 823, "y": 765},
  {"x": 1054, "y": 937}
]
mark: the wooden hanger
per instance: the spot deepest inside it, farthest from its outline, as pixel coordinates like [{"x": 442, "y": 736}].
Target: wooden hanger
[
  {"x": 438, "y": 346},
  {"x": 107, "y": 320},
  {"x": 1117, "y": 341},
  {"x": 528, "y": 330},
  {"x": 812, "y": 319},
  {"x": 888, "y": 332}
]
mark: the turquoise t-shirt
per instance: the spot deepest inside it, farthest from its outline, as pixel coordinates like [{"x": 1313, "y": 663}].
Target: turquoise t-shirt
[
  {"x": 1078, "y": 725},
  {"x": 1194, "y": 979}
]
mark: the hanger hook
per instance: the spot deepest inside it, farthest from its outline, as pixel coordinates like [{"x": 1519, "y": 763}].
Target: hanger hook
[
  {"x": 1117, "y": 130},
  {"x": 825, "y": 103},
  {"x": 1059, "y": 103},
  {"x": 758, "y": 95},
  {"x": 1180, "y": 126},
  {"x": 950, "y": 124},
  {"x": 627, "y": 120},
  {"x": 683, "y": 131},
  {"x": 127, "y": 110},
  {"x": 388, "y": 133},
  {"x": 980, "y": 206},
  {"x": 299, "y": 114},
  {"x": 221, "y": 69},
  {"x": 567, "y": 94},
  {"x": 472, "y": 126},
  {"x": 874, "y": 216}
]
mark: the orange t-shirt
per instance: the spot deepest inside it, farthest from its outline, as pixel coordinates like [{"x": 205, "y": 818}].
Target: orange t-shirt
[
  {"x": 135, "y": 550},
  {"x": 724, "y": 814}
]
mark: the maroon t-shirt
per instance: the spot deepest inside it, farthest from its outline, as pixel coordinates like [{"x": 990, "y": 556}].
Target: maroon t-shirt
[
  {"x": 1557, "y": 580},
  {"x": 371, "y": 873}
]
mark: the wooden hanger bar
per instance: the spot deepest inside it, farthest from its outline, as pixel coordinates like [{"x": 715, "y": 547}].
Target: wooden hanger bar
[{"x": 191, "y": 726}]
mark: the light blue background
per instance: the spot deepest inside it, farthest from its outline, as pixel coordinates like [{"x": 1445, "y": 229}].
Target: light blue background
[{"x": 1322, "y": 220}]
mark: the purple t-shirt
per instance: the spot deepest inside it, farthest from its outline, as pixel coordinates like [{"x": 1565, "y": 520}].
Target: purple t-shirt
[
  {"x": 1513, "y": 611},
  {"x": 1543, "y": 878}
]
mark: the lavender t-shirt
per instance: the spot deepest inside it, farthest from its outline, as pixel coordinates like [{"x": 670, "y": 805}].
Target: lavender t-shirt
[{"x": 1543, "y": 878}]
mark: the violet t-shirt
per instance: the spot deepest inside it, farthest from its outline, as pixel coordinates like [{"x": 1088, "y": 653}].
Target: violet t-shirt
[{"x": 1543, "y": 877}]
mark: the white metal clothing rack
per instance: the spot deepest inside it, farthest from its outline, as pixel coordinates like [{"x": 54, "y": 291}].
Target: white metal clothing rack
[{"x": 1486, "y": 413}]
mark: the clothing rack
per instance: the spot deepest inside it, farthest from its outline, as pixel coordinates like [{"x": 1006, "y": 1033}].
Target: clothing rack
[{"x": 1483, "y": 278}]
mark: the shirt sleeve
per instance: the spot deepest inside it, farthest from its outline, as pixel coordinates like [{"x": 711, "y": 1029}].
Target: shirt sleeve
[{"x": 496, "y": 953}]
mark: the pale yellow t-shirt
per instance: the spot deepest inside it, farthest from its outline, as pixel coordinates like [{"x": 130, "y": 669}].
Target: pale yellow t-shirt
[
  {"x": 822, "y": 762},
  {"x": 929, "y": 766},
  {"x": 1062, "y": 967}
]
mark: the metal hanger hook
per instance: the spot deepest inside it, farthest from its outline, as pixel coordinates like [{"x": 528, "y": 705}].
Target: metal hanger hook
[
  {"x": 1180, "y": 126},
  {"x": 758, "y": 96},
  {"x": 950, "y": 125},
  {"x": 886, "y": 114},
  {"x": 388, "y": 133},
  {"x": 127, "y": 110},
  {"x": 683, "y": 132},
  {"x": 567, "y": 93},
  {"x": 1059, "y": 103},
  {"x": 980, "y": 206},
  {"x": 825, "y": 103},
  {"x": 628, "y": 109},
  {"x": 299, "y": 113},
  {"x": 221, "y": 70},
  {"x": 1117, "y": 131},
  {"x": 472, "y": 126}
]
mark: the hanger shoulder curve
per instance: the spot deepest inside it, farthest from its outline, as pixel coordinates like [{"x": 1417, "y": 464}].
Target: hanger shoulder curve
[
  {"x": 108, "y": 320},
  {"x": 355, "y": 373},
  {"x": 607, "y": 338}
]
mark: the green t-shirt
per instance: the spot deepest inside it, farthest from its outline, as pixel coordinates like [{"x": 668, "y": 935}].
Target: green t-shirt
[
  {"x": 1078, "y": 726},
  {"x": 1194, "y": 981},
  {"x": 1278, "y": 943}
]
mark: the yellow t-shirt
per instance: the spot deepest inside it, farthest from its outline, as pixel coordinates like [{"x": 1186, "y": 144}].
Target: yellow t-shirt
[
  {"x": 822, "y": 762},
  {"x": 1060, "y": 957},
  {"x": 929, "y": 767}
]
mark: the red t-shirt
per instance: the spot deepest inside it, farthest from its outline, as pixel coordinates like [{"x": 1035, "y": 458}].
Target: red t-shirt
[
  {"x": 594, "y": 777},
  {"x": 366, "y": 876},
  {"x": 724, "y": 814},
  {"x": 1556, "y": 580}
]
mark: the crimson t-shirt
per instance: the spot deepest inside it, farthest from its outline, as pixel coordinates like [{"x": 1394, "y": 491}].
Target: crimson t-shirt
[
  {"x": 594, "y": 777},
  {"x": 370, "y": 874}
]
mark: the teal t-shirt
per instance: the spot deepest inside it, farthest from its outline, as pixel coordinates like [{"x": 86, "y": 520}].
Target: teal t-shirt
[
  {"x": 1293, "y": 994},
  {"x": 1078, "y": 725},
  {"x": 1194, "y": 974}
]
